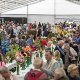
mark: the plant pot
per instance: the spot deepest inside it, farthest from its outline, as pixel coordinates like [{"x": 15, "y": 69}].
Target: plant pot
[
  {"x": 27, "y": 63},
  {"x": 30, "y": 61},
  {"x": 18, "y": 70},
  {"x": 40, "y": 55},
  {"x": 23, "y": 66}
]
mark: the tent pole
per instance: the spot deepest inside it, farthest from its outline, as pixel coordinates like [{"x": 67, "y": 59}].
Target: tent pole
[
  {"x": 54, "y": 10},
  {"x": 0, "y": 14},
  {"x": 27, "y": 14}
]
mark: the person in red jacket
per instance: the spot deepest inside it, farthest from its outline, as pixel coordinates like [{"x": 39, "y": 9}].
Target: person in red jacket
[
  {"x": 30, "y": 26},
  {"x": 38, "y": 62}
]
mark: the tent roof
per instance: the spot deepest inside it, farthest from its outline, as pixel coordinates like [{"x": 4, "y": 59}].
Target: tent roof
[
  {"x": 7, "y": 5},
  {"x": 75, "y": 1}
]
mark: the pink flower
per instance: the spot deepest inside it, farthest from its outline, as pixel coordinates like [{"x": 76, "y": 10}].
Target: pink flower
[
  {"x": 19, "y": 59},
  {"x": 18, "y": 53},
  {"x": 32, "y": 47},
  {"x": 28, "y": 54}
]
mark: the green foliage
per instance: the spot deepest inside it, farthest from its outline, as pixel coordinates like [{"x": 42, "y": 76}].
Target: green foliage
[
  {"x": 0, "y": 34},
  {"x": 10, "y": 55},
  {"x": 54, "y": 42},
  {"x": 32, "y": 32},
  {"x": 52, "y": 35}
]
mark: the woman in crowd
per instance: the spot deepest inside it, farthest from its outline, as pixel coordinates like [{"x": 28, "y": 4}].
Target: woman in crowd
[
  {"x": 72, "y": 72},
  {"x": 68, "y": 56},
  {"x": 74, "y": 39},
  {"x": 59, "y": 74},
  {"x": 1, "y": 61},
  {"x": 57, "y": 58},
  {"x": 7, "y": 75}
]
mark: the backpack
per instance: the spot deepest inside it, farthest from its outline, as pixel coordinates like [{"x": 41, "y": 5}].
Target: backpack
[
  {"x": 59, "y": 64},
  {"x": 33, "y": 76}
]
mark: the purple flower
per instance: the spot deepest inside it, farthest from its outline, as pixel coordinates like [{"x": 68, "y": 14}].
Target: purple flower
[{"x": 32, "y": 47}]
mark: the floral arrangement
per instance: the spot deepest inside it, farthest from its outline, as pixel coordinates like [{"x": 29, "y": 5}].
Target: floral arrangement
[
  {"x": 50, "y": 35},
  {"x": 10, "y": 55},
  {"x": 26, "y": 48},
  {"x": 18, "y": 58},
  {"x": 64, "y": 32}
]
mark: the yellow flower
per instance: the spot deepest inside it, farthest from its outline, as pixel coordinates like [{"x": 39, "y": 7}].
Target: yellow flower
[
  {"x": 16, "y": 55},
  {"x": 63, "y": 33},
  {"x": 25, "y": 53},
  {"x": 30, "y": 49},
  {"x": 27, "y": 47}
]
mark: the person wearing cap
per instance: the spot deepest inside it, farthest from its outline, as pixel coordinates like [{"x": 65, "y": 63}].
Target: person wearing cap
[
  {"x": 72, "y": 72},
  {"x": 50, "y": 65}
]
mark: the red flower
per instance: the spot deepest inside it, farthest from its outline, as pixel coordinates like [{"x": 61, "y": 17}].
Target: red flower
[
  {"x": 24, "y": 55},
  {"x": 44, "y": 42},
  {"x": 48, "y": 34},
  {"x": 22, "y": 52},
  {"x": 53, "y": 33},
  {"x": 28, "y": 54}
]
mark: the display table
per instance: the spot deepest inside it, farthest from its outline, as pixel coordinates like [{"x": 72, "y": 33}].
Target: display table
[
  {"x": 23, "y": 72},
  {"x": 11, "y": 65}
]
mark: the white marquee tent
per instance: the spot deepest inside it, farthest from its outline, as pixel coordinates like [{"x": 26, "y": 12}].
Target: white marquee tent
[{"x": 53, "y": 11}]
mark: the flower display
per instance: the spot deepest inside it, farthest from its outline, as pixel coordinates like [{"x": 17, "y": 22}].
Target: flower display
[
  {"x": 26, "y": 48},
  {"x": 44, "y": 42},
  {"x": 32, "y": 47},
  {"x": 28, "y": 54},
  {"x": 18, "y": 59}
]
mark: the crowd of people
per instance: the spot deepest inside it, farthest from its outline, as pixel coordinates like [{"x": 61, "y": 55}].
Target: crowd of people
[{"x": 62, "y": 64}]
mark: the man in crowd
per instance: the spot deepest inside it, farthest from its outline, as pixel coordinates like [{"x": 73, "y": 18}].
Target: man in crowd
[
  {"x": 50, "y": 65},
  {"x": 59, "y": 48},
  {"x": 39, "y": 32},
  {"x": 38, "y": 62},
  {"x": 45, "y": 33}
]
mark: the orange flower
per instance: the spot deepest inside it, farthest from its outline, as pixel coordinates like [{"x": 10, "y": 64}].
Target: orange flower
[
  {"x": 21, "y": 57},
  {"x": 37, "y": 38},
  {"x": 23, "y": 48},
  {"x": 30, "y": 49},
  {"x": 26, "y": 49},
  {"x": 40, "y": 49}
]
